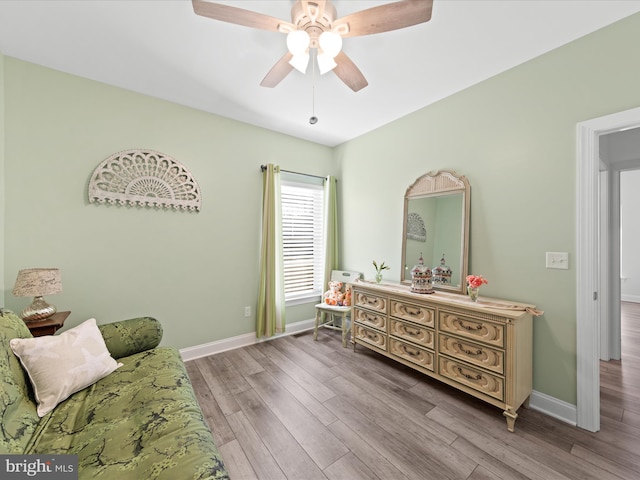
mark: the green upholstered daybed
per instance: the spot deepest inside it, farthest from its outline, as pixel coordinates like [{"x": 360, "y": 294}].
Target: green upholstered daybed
[{"x": 140, "y": 422}]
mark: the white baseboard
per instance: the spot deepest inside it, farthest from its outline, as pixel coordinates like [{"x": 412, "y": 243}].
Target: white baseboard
[
  {"x": 630, "y": 298},
  {"x": 541, "y": 402},
  {"x": 559, "y": 409},
  {"x": 219, "y": 346}
]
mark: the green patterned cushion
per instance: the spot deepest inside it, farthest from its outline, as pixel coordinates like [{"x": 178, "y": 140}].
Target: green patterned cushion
[
  {"x": 18, "y": 415},
  {"x": 127, "y": 337},
  {"x": 140, "y": 422}
]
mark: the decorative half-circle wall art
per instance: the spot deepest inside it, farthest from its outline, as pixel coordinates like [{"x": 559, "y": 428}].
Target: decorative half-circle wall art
[
  {"x": 415, "y": 228},
  {"x": 144, "y": 178}
]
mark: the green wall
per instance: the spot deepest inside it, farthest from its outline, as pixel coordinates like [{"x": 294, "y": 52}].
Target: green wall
[
  {"x": 194, "y": 271},
  {"x": 514, "y": 137}
]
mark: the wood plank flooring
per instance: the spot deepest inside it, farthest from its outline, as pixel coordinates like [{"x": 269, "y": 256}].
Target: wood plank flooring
[{"x": 297, "y": 409}]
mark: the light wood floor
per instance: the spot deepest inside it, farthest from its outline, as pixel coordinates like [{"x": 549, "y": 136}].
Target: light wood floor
[{"x": 297, "y": 409}]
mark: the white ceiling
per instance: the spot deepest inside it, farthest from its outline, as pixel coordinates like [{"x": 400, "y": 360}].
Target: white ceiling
[{"x": 162, "y": 49}]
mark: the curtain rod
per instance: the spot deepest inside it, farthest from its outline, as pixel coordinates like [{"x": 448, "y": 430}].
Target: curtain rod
[{"x": 264, "y": 167}]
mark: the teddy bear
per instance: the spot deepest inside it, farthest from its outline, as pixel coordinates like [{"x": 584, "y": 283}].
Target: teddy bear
[
  {"x": 334, "y": 295},
  {"x": 347, "y": 298}
]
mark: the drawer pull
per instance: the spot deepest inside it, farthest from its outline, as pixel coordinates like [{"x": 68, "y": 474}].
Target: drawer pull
[
  {"x": 413, "y": 311},
  {"x": 468, "y": 352},
  {"x": 471, "y": 327},
  {"x": 467, "y": 376},
  {"x": 412, "y": 331},
  {"x": 413, "y": 353}
]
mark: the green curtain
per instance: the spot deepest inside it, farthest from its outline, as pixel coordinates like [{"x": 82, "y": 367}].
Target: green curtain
[
  {"x": 270, "y": 310},
  {"x": 330, "y": 228}
]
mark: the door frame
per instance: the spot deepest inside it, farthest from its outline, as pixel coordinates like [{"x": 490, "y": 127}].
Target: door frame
[{"x": 587, "y": 265}]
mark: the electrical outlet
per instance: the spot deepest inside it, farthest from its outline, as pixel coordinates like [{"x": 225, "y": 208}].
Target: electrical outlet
[
  {"x": 247, "y": 311},
  {"x": 558, "y": 260}
]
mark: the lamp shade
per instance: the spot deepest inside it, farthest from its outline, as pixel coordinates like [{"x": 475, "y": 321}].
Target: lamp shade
[{"x": 37, "y": 282}]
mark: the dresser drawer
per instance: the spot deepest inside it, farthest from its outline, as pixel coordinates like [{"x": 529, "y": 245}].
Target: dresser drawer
[
  {"x": 372, "y": 302},
  {"x": 413, "y": 333},
  {"x": 370, "y": 336},
  {"x": 473, "y": 328},
  {"x": 370, "y": 319},
  {"x": 480, "y": 355},
  {"x": 414, "y": 313},
  {"x": 483, "y": 382},
  {"x": 412, "y": 353}
]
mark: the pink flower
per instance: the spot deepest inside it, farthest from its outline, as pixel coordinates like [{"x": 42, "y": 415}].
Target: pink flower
[{"x": 476, "y": 281}]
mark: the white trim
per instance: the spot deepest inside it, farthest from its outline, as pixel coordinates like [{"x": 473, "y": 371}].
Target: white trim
[
  {"x": 630, "y": 298},
  {"x": 605, "y": 316},
  {"x": 219, "y": 346},
  {"x": 559, "y": 409},
  {"x": 615, "y": 286},
  {"x": 587, "y": 278},
  {"x": 587, "y": 309}
]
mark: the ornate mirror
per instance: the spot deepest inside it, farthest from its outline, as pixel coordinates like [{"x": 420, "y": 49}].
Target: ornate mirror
[{"x": 436, "y": 228}]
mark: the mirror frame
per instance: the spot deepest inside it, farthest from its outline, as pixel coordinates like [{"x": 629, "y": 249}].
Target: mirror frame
[{"x": 434, "y": 184}]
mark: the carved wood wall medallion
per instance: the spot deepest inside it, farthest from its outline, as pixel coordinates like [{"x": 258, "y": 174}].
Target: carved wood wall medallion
[
  {"x": 144, "y": 178},
  {"x": 415, "y": 228}
]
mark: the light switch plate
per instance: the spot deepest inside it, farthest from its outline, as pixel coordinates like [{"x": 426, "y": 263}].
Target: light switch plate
[{"x": 558, "y": 260}]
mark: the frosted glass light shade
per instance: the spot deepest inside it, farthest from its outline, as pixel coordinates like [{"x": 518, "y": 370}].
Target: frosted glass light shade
[
  {"x": 298, "y": 42},
  {"x": 330, "y": 43},
  {"x": 300, "y": 62},
  {"x": 326, "y": 63}
]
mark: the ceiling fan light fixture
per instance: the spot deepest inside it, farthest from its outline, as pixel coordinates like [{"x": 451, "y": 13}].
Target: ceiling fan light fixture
[
  {"x": 298, "y": 42},
  {"x": 330, "y": 43},
  {"x": 315, "y": 25},
  {"x": 326, "y": 63},
  {"x": 300, "y": 62}
]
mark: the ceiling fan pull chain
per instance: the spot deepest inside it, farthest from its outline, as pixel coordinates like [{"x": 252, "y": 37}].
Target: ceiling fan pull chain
[{"x": 313, "y": 120}]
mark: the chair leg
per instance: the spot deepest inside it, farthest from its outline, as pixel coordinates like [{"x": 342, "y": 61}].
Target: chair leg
[
  {"x": 344, "y": 330},
  {"x": 315, "y": 329}
]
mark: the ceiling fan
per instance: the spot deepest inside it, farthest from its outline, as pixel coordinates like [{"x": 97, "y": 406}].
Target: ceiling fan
[{"x": 314, "y": 26}]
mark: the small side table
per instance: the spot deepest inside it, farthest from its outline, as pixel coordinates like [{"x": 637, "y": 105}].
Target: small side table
[{"x": 49, "y": 326}]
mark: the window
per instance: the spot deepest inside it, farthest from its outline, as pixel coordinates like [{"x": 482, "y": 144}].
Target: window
[{"x": 302, "y": 239}]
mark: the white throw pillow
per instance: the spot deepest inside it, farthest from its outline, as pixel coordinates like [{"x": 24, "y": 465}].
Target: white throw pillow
[{"x": 61, "y": 365}]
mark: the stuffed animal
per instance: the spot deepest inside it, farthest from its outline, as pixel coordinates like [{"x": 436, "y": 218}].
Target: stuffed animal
[
  {"x": 334, "y": 295},
  {"x": 347, "y": 298}
]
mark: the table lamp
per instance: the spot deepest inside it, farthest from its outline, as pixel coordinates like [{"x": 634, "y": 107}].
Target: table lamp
[{"x": 37, "y": 282}]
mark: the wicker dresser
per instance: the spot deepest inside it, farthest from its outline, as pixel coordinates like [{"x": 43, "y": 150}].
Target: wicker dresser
[{"x": 483, "y": 349}]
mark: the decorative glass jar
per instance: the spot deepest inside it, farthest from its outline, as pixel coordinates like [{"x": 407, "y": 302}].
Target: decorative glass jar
[
  {"x": 441, "y": 273},
  {"x": 421, "y": 278}
]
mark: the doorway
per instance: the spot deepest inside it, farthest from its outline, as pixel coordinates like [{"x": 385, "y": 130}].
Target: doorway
[{"x": 589, "y": 301}]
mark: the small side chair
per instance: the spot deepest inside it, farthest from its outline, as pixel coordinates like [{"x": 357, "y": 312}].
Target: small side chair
[{"x": 336, "y": 317}]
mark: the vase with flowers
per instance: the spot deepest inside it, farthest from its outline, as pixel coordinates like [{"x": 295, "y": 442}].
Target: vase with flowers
[
  {"x": 379, "y": 269},
  {"x": 474, "y": 282}
]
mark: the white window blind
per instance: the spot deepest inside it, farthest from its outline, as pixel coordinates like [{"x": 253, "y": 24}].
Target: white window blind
[{"x": 302, "y": 234}]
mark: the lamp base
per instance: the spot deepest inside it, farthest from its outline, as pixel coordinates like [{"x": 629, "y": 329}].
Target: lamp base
[{"x": 38, "y": 311}]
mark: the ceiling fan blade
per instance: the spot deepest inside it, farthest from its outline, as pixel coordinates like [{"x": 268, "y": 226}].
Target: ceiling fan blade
[
  {"x": 349, "y": 73},
  {"x": 240, "y": 16},
  {"x": 277, "y": 73},
  {"x": 384, "y": 18}
]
